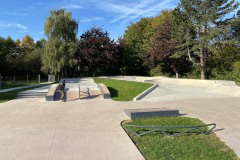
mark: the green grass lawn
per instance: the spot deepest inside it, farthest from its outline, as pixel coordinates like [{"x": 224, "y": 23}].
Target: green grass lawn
[
  {"x": 12, "y": 85},
  {"x": 190, "y": 146},
  {"x": 7, "y": 96},
  {"x": 123, "y": 90}
]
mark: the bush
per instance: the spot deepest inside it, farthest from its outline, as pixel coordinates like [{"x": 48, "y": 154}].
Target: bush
[{"x": 157, "y": 71}]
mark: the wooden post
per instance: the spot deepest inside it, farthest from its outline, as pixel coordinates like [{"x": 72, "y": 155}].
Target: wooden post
[
  {"x": 0, "y": 81},
  {"x": 27, "y": 79},
  {"x": 39, "y": 78},
  {"x": 79, "y": 91}
]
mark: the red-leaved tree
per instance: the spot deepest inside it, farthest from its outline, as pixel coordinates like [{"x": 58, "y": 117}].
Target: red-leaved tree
[
  {"x": 96, "y": 52},
  {"x": 162, "y": 50}
]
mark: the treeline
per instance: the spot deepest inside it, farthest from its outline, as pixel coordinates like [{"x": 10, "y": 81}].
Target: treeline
[
  {"x": 21, "y": 57},
  {"x": 197, "y": 39}
]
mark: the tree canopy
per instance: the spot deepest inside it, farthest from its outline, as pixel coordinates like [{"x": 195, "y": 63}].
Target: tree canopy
[
  {"x": 96, "y": 52},
  {"x": 208, "y": 18},
  {"x": 197, "y": 39},
  {"x": 61, "y": 31}
]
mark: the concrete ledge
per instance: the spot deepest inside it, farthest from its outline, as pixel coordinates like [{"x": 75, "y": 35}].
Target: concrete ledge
[
  {"x": 225, "y": 82},
  {"x": 143, "y": 94},
  {"x": 150, "y": 112},
  {"x": 143, "y": 79},
  {"x": 104, "y": 91},
  {"x": 189, "y": 82},
  {"x": 231, "y": 90},
  {"x": 51, "y": 92}
]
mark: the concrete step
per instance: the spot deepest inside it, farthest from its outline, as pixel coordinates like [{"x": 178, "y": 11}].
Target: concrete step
[
  {"x": 31, "y": 95},
  {"x": 34, "y": 93}
]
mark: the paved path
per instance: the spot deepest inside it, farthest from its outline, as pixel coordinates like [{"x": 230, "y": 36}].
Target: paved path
[
  {"x": 16, "y": 88},
  {"x": 80, "y": 130},
  {"x": 75, "y": 130}
]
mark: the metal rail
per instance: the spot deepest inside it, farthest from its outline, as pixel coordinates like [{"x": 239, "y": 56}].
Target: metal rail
[{"x": 151, "y": 129}]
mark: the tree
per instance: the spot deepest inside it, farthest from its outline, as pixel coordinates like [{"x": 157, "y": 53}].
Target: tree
[
  {"x": 236, "y": 27},
  {"x": 134, "y": 45},
  {"x": 208, "y": 18},
  {"x": 61, "y": 31},
  {"x": 10, "y": 55},
  {"x": 162, "y": 50},
  {"x": 41, "y": 43},
  {"x": 136, "y": 41},
  {"x": 96, "y": 52},
  {"x": 28, "y": 43}
]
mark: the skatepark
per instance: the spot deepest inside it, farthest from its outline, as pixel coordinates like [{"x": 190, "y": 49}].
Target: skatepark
[{"x": 87, "y": 126}]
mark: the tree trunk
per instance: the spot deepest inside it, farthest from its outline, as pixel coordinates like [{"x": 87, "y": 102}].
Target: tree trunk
[{"x": 203, "y": 58}]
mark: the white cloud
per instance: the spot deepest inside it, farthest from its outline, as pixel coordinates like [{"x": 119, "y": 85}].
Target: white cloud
[
  {"x": 92, "y": 19},
  {"x": 126, "y": 12},
  {"x": 13, "y": 13},
  {"x": 21, "y": 26},
  {"x": 72, "y": 6},
  {"x": 16, "y": 25}
]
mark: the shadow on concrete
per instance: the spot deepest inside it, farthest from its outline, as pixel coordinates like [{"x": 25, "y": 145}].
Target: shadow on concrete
[
  {"x": 90, "y": 97},
  {"x": 58, "y": 95},
  {"x": 217, "y": 130}
]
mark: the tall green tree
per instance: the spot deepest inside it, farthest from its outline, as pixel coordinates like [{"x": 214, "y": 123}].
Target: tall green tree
[
  {"x": 10, "y": 55},
  {"x": 61, "y": 31},
  {"x": 134, "y": 46},
  {"x": 136, "y": 41},
  {"x": 208, "y": 18}
]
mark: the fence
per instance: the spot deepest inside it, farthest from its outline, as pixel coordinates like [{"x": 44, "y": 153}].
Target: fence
[
  {"x": 14, "y": 81},
  {"x": 8, "y": 81}
]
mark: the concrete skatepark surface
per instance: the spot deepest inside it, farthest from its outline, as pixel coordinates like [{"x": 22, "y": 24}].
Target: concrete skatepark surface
[
  {"x": 88, "y": 89},
  {"x": 90, "y": 129}
]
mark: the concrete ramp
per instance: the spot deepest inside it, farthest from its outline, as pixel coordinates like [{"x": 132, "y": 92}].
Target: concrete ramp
[
  {"x": 81, "y": 89},
  {"x": 232, "y": 90},
  {"x": 185, "y": 82},
  {"x": 172, "y": 88}
]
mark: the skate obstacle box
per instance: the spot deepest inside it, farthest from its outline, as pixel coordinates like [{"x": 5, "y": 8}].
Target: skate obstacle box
[{"x": 150, "y": 112}]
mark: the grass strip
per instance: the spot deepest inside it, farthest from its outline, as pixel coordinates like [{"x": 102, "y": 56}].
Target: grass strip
[
  {"x": 12, "y": 85},
  {"x": 189, "y": 146},
  {"x": 123, "y": 90}
]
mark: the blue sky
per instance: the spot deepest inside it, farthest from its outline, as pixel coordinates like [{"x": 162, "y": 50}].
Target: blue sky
[{"x": 18, "y": 18}]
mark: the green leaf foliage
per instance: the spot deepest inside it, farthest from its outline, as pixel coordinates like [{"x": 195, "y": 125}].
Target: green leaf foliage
[
  {"x": 61, "y": 31},
  {"x": 208, "y": 19}
]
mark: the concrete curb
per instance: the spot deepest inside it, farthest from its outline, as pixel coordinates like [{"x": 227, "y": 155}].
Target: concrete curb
[
  {"x": 51, "y": 92},
  {"x": 104, "y": 90},
  {"x": 146, "y": 92}
]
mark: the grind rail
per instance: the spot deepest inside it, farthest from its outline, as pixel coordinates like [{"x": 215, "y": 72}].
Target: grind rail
[{"x": 162, "y": 129}]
